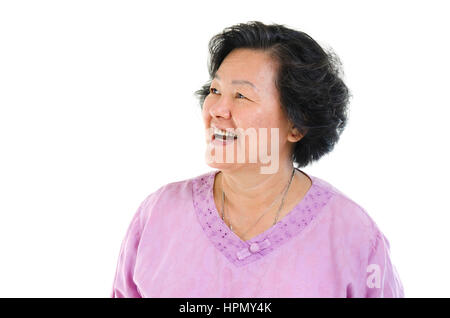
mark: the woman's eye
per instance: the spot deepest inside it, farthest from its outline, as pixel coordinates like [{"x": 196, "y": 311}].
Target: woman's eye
[{"x": 213, "y": 91}]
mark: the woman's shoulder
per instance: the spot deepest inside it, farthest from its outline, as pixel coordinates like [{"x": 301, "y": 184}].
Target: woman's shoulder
[
  {"x": 182, "y": 187},
  {"x": 173, "y": 194},
  {"x": 179, "y": 186},
  {"x": 346, "y": 212}
]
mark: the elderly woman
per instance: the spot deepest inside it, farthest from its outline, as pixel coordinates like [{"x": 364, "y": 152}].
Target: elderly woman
[{"x": 249, "y": 228}]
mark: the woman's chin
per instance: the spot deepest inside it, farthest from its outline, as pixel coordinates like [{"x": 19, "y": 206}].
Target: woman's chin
[
  {"x": 232, "y": 166},
  {"x": 223, "y": 166}
]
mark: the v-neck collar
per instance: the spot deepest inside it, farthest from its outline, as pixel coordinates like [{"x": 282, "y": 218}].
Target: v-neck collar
[{"x": 241, "y": 252}]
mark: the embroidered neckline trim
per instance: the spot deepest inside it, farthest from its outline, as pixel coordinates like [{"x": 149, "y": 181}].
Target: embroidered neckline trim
[{"x": 241, "y": 252}]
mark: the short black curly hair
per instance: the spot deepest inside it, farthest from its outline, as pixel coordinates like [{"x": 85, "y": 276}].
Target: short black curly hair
[{"x": 312, "y": 93}]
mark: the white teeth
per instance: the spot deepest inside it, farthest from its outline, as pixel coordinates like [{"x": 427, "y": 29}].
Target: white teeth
[{"x": 218, "y": 131}]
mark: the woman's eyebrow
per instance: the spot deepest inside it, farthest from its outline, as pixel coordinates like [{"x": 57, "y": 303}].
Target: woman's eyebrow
[{"x": 239, "y": 82}]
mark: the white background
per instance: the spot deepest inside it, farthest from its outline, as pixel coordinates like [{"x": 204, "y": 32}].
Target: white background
[{"x": 97, "y": 111}]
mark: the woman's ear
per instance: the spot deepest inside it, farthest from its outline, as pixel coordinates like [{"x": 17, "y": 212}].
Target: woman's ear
[{"x": 294, "y": 134}]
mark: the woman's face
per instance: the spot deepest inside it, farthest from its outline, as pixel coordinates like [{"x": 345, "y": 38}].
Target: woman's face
[{"x": 243, "y": 95}]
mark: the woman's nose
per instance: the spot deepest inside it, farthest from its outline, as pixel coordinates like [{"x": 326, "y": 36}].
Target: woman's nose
[{"x": 220, "y": 109}]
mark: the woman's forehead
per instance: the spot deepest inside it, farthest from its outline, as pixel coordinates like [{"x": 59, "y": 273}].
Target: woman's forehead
[
  {"x": 248, "y": 61},
  {"x": 250, "y": 57}
]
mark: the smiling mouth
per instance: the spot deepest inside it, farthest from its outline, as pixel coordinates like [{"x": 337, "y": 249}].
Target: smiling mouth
[{"x": 224, "y": 138}]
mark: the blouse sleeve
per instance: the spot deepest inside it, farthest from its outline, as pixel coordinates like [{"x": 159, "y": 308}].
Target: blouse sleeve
[
  {"x": 383, "y": 280},
  {"x": 124, "y": 285}
]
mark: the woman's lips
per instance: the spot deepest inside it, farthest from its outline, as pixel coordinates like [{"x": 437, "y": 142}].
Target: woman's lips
[{"x": 221, "y": 141}]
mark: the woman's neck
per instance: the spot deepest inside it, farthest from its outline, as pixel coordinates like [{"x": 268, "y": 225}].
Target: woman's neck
[{"x": 250, "y": 192}]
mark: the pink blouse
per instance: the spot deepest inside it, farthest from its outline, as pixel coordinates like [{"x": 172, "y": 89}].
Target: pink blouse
[{"x": 326, "y": 246}]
